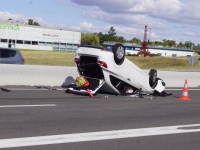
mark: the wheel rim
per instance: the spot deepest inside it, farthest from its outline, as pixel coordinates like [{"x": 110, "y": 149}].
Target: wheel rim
[{"x": 120, "y": 52}]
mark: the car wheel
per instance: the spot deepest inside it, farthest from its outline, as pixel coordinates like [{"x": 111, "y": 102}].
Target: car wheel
[
  {"x": 86, "y": 43},
  {"x": 153, "y": 78},
  {"x": 119, "y": 53}
]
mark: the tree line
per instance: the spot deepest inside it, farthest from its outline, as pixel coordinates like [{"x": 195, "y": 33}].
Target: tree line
[
  {"x": 30, "y": 22},
  {"x": 111, "y": 36}
]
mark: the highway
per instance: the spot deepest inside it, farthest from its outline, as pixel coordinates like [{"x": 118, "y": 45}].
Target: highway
[{"x": 36, "y": 118}]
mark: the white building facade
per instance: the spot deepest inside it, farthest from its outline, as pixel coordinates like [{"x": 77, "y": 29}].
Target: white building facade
[
  {"x": 22, "y": 36},
  {"x": 161, "y": 51}
]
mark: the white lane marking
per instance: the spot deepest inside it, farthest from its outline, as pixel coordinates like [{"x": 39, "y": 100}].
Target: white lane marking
[
  {"x": 18, "y": 89},
  {"x": 93, "y": 136},
  {"x": 42, "y": 105}
]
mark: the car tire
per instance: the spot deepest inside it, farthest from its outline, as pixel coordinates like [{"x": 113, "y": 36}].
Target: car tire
[
  {"x": 119, "y": 53},
  {"x": 86, "y": 43},
  {"x": 153, "y": 78}
]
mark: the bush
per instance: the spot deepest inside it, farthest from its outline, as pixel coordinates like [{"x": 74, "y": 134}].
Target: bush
[{"x": 90, "y": 37}]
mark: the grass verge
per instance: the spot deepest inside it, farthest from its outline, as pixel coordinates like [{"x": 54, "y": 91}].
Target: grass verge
[
  {"x": 51, "y": 58},
  {"x": 58, "y": 58},
  {"x": 164, "y": 63}
]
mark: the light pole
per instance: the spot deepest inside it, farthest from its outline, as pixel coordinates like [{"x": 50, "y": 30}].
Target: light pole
[{"x": 149, "y": 31}]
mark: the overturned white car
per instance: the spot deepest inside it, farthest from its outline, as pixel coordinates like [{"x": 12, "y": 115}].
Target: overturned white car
[{"x": 109, "y": 71}]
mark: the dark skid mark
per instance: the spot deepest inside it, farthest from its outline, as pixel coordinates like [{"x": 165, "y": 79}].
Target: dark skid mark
[{"x": 5, "y": 90}]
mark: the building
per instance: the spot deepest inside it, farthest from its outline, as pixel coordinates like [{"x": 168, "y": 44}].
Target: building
[
  {"x": 22, "y": 36},
  {"x": 156, "y": 50}
]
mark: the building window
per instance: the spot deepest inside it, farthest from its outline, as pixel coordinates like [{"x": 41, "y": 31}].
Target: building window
[
  {"x": 4, "y": 40},
  {"x": 34, "y": 43},
  {"x": 69, "y": 45},
  {"x": 11, "y": 41},
  {"x": 173, "y": 55},
  {"x": 56, "y": 44},
  {"x": 62, "y": 49},
  {"x": 19, "y": 41},
  {"x": 63, "y": 45},
  {"x": 69, "y": 49},
  {"x": 27, "y": 42},
  {"x": 159, "y": 54},
  {"x": 41, "y": 43},
  {"x": 75, "y": 47},
  {"x": 48, "y": 44},
  {"x": 56, "y": 48},
  {"x": 188, "y": 56}
]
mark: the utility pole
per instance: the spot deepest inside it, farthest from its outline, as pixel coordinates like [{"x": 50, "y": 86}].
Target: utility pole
[{"x": 149, "y": 31}]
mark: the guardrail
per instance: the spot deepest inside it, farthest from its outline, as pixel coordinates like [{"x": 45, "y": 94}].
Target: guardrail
[
  {"x": 177, "y": 78},
  {"x": 27, "y": 75},
  {"x": 36, "y": 75}
]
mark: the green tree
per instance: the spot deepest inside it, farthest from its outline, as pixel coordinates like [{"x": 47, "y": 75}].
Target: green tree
[
  {"x": 136, "y": 41},
  {"x": 165, "y": 43},
  {"x": 31, "y": 22},
  {"x": 93, "y": 38},
  {"x": 120, "y": 39},
  {"x": 151, "y": 43},
  {"x": 171, "y": 43},
  {"x": 158, "y": 43},
  {"x": 102, "y": 38},
  {"x": 36, "y": 24},
  {"x": 197, "y": 49},
  {"x": 181, "y": 45},
  {"x": 112, "y": 31},
  {"x": 112, "y": 34},
  {"x": 189, "y": 44}
]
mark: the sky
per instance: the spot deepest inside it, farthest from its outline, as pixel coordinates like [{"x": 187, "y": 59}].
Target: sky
[{"x": 177, "y": 20}]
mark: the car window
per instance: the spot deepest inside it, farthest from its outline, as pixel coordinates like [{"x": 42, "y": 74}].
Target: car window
[
  {"x": 7, "y": 53},
  {"x": 12, "y": 53}
]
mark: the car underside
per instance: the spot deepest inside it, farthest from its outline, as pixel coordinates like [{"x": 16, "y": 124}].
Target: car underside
[
  {"x": 109, "y": 71},
  {"x": 91, "y": 69}
]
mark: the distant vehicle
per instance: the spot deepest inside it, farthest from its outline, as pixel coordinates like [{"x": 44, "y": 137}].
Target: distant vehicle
[
  {"x": 110, "y": 71},
  {"x": 130, "y": 52},
  {"x": 10, "y": 56}
]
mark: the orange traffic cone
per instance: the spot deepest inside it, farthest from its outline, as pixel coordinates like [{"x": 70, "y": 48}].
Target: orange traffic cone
[{"x": 185, "y": 92}]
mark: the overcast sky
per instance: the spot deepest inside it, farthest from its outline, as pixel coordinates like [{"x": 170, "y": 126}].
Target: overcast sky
[{"x": 177, "y": 20}]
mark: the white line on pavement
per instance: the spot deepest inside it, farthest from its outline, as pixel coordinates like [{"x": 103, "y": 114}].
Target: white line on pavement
[
  {"x": 42, "y": 105},
  {"x": 61, "y": 89},
  {"x": 19, "y": 89},
  {"x": 93, "y": 136}
]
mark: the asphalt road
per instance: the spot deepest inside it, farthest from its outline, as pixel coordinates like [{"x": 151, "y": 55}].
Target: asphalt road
[{"x": 41, "y": 113}]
